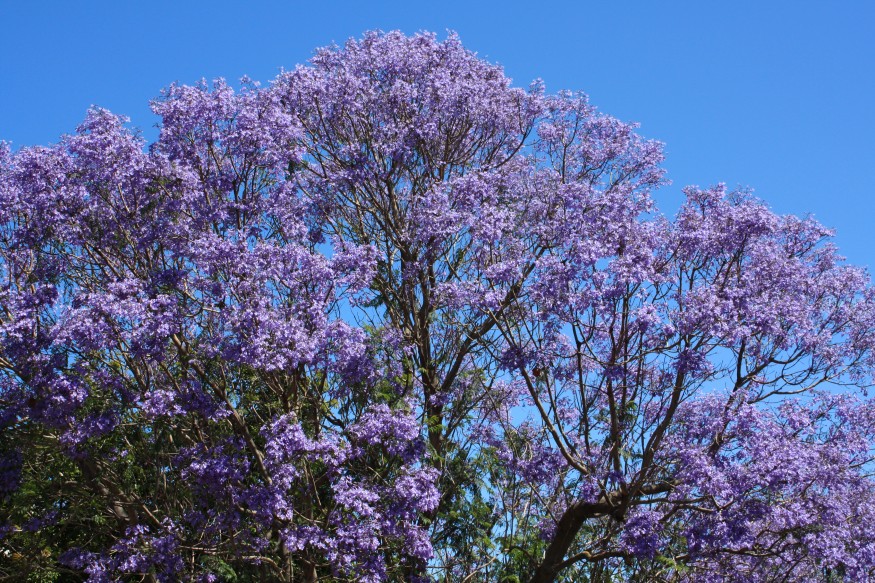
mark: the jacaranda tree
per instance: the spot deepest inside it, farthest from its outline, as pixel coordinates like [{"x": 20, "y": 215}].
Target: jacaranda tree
[{"x": 391, "y": 318}]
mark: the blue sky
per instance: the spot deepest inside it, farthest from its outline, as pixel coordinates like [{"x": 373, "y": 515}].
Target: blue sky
[{"x": 775, "y": 95}]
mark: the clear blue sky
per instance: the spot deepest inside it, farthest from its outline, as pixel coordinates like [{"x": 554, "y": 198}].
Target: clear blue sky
[{"x": 775, "y": 95}]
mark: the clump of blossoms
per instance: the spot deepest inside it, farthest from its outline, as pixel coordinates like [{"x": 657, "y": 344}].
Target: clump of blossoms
[{"x": 391, "y": 318}]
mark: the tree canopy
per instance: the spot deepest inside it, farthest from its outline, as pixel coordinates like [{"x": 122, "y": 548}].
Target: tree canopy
[{"x": 391, "y": 318}]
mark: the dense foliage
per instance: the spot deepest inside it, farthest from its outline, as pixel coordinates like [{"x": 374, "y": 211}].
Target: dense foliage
[{"x": 392, "y": 318}]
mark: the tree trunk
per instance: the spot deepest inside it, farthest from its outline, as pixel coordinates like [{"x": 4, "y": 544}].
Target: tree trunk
[
  {"x": 566, "y": 529},
  {"x": 309, "y": 572}
]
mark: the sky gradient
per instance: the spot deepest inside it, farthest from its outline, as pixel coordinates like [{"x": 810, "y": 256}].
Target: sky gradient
[{"x": 777, "y": 96}]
